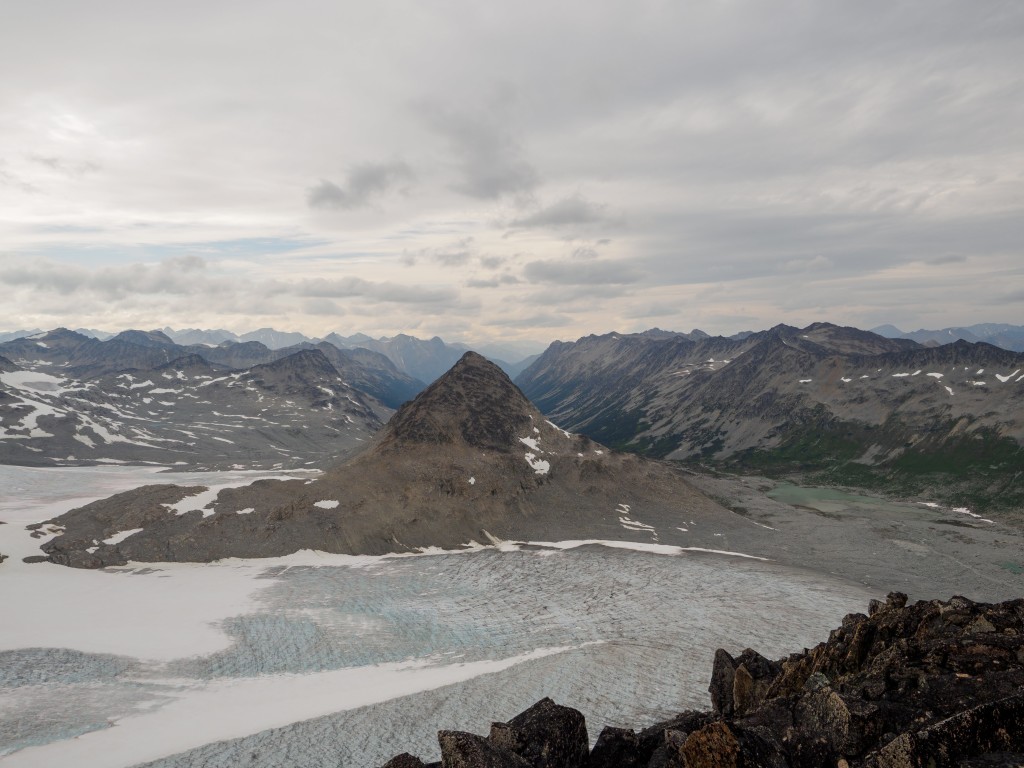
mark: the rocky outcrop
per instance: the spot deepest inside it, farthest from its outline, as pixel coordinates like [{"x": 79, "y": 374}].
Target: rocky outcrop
[{"x": 936, "y": 684}]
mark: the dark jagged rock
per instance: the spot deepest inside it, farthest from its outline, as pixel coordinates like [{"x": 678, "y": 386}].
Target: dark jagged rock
[
  {"x": 546, "y": 736},
  {"x": 467, "y": 750},
  {"x": 404, "y": 760},
  {"x": 617, "y": 748},
  {"x": 935, "y": 684},
  {"x": 739, "y": 685}
]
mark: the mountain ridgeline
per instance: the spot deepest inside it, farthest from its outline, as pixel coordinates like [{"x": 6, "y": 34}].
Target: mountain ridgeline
[
  {"x": 73, "y": 354},
  {"x": 838, "y": 404},
  {"x": 469, "y": 460}
]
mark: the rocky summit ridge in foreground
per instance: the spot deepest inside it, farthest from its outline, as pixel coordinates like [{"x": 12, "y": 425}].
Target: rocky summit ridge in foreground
[
  {"x": 469, "y": 460},
  {"x": 933, "y": 684}
]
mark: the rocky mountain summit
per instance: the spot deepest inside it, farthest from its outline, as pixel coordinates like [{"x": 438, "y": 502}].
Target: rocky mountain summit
[
  {"x": 469, "y": 460},
  {"x": 936, "y": 683}
]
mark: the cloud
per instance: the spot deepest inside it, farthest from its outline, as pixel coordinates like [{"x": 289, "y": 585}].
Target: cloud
[
  {"x": 349, "y": 287},
  {"x": 14, "y": 181},
  {"x": 364, "y": 182},
  {"x": 813, "y": 263},
  {"x": 572, "y": 210},
  {"x": 492, "y": 282},
  {"x": 948, "y": 259},
  {"x": 492, "y": 262},
  {"x": 177, "y": 275},
  {"x": 581, "y": 272},
  {"x": 455, "y": 254},
  {"x": 65, "y": 167},
  {"x": 489, "y": 158},
  {"x": 542, "y": 320},
  {"x": 321, "y": 306},
  {"x": 882, "y": 137}
]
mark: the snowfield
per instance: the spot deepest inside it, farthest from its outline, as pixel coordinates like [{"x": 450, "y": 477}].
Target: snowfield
[{"x": 321, "y": 660}]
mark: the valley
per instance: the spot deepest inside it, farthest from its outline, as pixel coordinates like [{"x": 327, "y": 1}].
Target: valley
[{"x": 392, "y": 573}]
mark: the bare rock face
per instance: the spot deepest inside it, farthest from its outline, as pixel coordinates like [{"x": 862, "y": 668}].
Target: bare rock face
[{"x": 936, "y": 684}]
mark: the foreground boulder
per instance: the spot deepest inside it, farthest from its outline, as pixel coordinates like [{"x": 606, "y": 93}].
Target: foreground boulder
[{"x": 934, "y": 684}]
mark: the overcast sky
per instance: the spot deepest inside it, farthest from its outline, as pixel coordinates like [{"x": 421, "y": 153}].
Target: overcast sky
[{"x": 499, "y": 170}]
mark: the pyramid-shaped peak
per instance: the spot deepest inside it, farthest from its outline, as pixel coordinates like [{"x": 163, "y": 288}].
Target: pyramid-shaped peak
[{"x": 474, "y": 403}]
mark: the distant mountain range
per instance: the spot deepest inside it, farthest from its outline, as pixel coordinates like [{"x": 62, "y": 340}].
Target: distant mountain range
[
  {"x": 293, "y": 412},
  {"x": 138, "y": 397},
  {"x": 997, "y": 334},
  {"x": 73, "y": 354},
  {"x": 850, "y": 405},
  {"x": 839, "y": 405}
]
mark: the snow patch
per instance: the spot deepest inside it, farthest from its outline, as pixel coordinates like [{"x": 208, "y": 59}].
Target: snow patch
[
  {"x": 196, "y": 503},
  {"x": 530, "y": 442},
  {"x": 117, "y": 538},
  {"x": 638, "y": 546},
  {"x": 472, "y": 481},
  {"x": 540, "y": 466},
  {"x": 327, "y": 504},
  {"x": 966, "y": 511},
  {"x": 1005, "y": 379},
  {"x": 934, "y": 375},
  {"x": 552, "y": 424}
]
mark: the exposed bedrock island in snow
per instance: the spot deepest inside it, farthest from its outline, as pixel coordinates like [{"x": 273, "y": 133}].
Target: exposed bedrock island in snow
[{"x": 470, "y": 459}]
